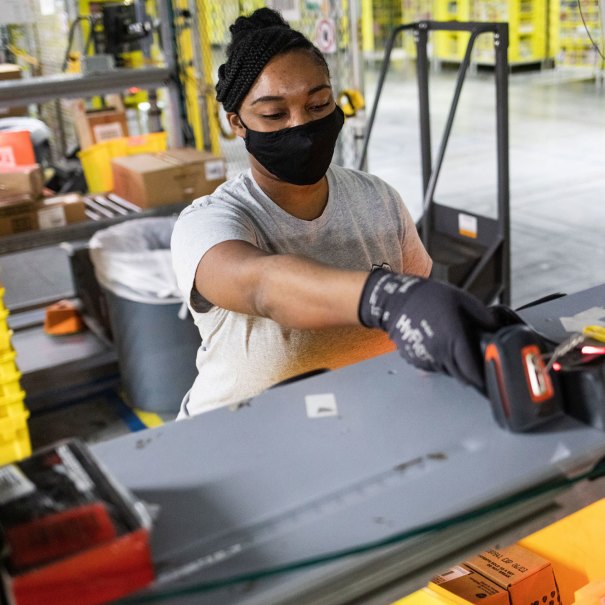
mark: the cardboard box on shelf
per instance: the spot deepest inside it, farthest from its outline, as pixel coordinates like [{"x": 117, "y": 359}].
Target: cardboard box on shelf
[
  {"x": 462, "y": 585},
  {"x": 21, "y": 180},
  {"x": 98, "y": 125},
  {"x": 17, "y": 214},
  {"x": 60, "y": 211},
  {"x": 526, "y": 576},
  {"x": 169, "y": 177},
  {"x": 10, "y": 71}
]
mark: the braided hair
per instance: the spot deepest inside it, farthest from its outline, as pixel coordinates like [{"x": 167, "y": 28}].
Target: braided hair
[{"x": 255, "y": 40}]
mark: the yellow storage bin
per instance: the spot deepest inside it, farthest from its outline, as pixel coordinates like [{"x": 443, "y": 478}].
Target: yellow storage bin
[
  {"x": 8, "y": 367},
  {"x": 575, "y": 547},
  {"x": 96, "y": 160},
  {"x": 11, "y": 407},
  {"x": 5, "y": 331},
  {"x": 14, "y": 438},
  {"x": 11, "y": 389}
]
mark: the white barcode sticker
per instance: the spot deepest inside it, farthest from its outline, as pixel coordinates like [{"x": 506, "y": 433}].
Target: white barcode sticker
[
  {"x": 54, "y": 216},
  {"x": 104, "y": 132},
  {"x": 321, "y": 405},
  {"x": 214, "y": 169},
  {"x": 451, "y": 574},
  {"x": 14, "y": 484}
]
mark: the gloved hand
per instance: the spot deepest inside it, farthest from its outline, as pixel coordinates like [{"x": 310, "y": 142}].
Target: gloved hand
[{"x": 435, "y": 326}]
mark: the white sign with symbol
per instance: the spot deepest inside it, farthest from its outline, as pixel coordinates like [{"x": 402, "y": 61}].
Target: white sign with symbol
[{"x": 325, "y": 35}]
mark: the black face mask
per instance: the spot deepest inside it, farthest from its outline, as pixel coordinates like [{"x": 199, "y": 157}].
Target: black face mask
[{"x": 299, "y": 155}]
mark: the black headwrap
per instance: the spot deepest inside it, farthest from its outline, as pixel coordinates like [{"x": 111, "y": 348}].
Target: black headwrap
[{"x": 255, "y": 40}]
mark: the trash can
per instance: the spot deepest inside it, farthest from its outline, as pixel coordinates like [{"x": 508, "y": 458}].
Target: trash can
[{"x": 154, "y": 335}]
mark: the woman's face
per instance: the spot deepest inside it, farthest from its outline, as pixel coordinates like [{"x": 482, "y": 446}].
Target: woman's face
[{"x": 291, "y": 90}]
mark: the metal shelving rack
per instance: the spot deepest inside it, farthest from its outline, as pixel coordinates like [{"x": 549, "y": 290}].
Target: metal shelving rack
[
  {"x": 468, "y": 250},
  {"x": 69, "y": 86},
  {"x": 527, "y": 21},
  {"x": 569, "y": 42},
  {"x": 82, "y": 364}
]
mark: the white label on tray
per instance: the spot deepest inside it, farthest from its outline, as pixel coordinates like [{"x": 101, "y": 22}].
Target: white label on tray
[
  {"x": 51, "y": 217},
  {"x": 321, "y": 405},
  {"x": 451, "y": 574},
  {"x": 467, "y": 225},
  {"x": 14, "y": 484},
  {"x": 214, "y": 170},
  {"x": 74, "y": 470},
  {"x": 104, "y": 132}
]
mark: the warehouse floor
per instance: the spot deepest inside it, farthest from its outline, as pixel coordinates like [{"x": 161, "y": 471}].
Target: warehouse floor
[
  {"x": 557, "y": 166},
  {"x": 557, "y": 191}
]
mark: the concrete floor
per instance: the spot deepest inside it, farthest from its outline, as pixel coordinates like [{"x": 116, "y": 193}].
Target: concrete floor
[
  {"x": 557, "y": 162},
  {"x": 557, "y": 166}
]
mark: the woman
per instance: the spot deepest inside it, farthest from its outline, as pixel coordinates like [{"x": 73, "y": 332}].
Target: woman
[{"x": 286, "y": 266}]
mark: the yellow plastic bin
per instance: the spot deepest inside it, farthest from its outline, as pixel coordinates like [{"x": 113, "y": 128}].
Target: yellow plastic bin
[
  {"x": 11, "y": 407},
  {"x": 5, "y": 331},
  {"x": 96, "y": 159},
  {"x": 14, "y": 438},
  {"x": 10, "y": 388},
  {"x": 8, "y": 367}
]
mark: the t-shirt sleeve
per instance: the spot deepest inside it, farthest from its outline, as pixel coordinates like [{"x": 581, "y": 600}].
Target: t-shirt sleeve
[
  {"x": 201, "y": 226},
  {"x": 416, "y": 260}
]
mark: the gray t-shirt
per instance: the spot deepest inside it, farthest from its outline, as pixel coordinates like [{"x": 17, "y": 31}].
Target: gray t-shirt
[{"x": 364, "y": 225}]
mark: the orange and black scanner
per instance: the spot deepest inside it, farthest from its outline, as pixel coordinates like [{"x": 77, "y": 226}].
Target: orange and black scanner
[{"x": 523, "y": 392}]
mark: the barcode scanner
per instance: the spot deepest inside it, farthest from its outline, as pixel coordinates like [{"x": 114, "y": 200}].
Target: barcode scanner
[{"x": 523, "y": 393}]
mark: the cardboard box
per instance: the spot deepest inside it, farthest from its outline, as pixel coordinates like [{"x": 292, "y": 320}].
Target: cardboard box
[
  {"x": 17, "y": 215},
  {"x": 169, "y": 177},
  {"x": 96, "y": 126},
  {"x": 60, "y": 211},
  {"x": 462, "y": 585},
  {"x": 21, "y": 180},
  {"x": 574, "y": 546},
  {"x": 9, "y": 71},
  {"x": 527, "y": 577}
]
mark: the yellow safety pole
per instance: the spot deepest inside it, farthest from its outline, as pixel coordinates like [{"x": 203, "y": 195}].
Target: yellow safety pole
[
  {"x": 185, "y": 58},
  {"x": 367, "y": 26},
  {"x": 208, "y": 84}
]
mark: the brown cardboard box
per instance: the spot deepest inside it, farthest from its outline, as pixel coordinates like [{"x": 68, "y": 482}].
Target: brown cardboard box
[
  {"x": 17, "y": 215},
  {"x": 528, "y": 577},
  {"x": 462, "y": 585},
  {"x": 168, "y": 177},
  {"x": 60, "y": 211},
  {"x": 21, "y": 180},
  {"x": 9, "y": 71},
  {"x": 95, "y": 126}
]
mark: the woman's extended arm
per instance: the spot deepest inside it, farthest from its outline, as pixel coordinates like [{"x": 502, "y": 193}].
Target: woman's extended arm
[{"x": 294, "y": 291}]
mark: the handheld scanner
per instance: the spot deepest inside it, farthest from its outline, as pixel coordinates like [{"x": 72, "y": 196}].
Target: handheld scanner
[{"x": 522, "y": 392}]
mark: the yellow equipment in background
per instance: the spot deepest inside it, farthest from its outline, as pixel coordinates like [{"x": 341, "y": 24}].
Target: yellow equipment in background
[{"x": 351, "y": 101}]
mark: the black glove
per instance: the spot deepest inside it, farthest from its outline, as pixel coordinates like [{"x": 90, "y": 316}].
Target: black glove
[{"x": 435, "y": 326}]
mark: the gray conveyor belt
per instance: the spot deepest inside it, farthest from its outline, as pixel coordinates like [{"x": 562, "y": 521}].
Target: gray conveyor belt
[{"x": 267, "y": 484}]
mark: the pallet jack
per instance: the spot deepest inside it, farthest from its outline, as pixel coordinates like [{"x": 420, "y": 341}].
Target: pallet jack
[{"x": 468, "y": 250}]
